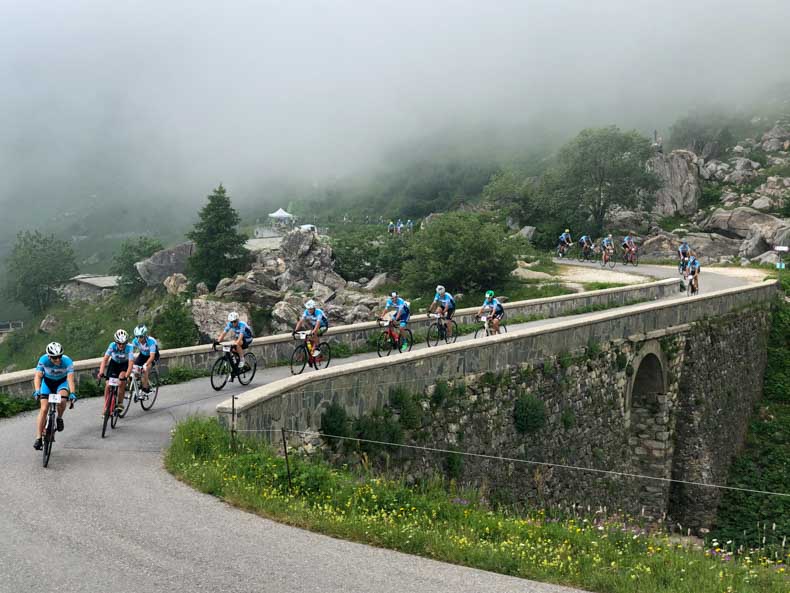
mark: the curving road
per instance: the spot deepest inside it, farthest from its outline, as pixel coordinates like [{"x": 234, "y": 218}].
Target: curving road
[{"x": 122, "y": 524}]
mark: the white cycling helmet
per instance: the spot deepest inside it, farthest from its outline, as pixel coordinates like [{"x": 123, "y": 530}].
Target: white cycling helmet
[
  {"x": 440, "y": 289},
  {"x": 310, "y": 304},
  {"x": 140, "y": 331},
  {"x": 121, "y": 336},
  {"x": 54, "y": 349},
  {"x": 233, "y": 316},
  {"x": 610, "y": 236}
]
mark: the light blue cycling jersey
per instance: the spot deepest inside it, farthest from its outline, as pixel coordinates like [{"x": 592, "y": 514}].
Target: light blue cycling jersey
[
  {"x": 445, "y": 299},
  {"x": 147, "y": 347},
  {"x": 694, "y": 264},
  {"x": 684, "y": 247},
  {"x": 313, "y": 317},
  {"x": 628, "y": 239},
  {"x": 607, "y": 242},
  {"x": 55, "y": 371},
  {"x": 565, "y": 237},
  {"x": 399, "y": 304},
  {"x": 585, "y": 239},
  {"x": 122, "y": 354},
  {"x": 238, "y": 329},
  {"x": 493, "y": 304}
]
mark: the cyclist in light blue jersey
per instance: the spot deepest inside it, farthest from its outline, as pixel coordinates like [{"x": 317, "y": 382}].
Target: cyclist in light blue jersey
[
  {"x": 54, "y": 374},
  {"x": 401, "y": 316},
  {"x": 695, "y": 268},
  {"x": 564, "y": 242},
  {"x": 316, "y": 320},
  {"x": 494, "y": 308},
  {"x": 684, "y": 251},
  {"x": 118, "y": 360},
  {"x": 585, "y": 244},
  {"x": 444, "y": 303},
  {"x": 241, "y": 335},
  {"x": 148, "y": 352}
]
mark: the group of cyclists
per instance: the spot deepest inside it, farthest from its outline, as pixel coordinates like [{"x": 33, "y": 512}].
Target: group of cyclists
[{"x": 55, "y": 372}]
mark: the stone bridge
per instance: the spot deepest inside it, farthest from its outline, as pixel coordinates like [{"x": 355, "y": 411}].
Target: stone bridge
[{"x": 647, "y": 398}]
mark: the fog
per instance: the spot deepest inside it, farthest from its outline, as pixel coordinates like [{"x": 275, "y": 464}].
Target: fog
[{"x": 148, "y": 100}]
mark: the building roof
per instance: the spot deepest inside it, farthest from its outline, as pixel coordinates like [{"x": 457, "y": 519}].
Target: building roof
[{"x": 96, "y": 280}]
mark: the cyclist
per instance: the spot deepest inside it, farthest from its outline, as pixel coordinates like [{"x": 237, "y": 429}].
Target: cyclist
[
  {"x": 443, "y": 302},
  {"x": 607, "y": 246},
  {"x": 117, "y": 363},
  {"x": 694, "y": 268},
  {"x": 564, "y": 242},
  {"x": 628, "y": 245},
  {"x": 402, "y": 314},
  {"x": 683, "y": 253},
  {"x": 585, "y": 244},
  {"x": 494, "y": 307},
  {"x": 242, "y": 338},
  {"x": 148, "y": 352},
  {"x": 54, "y": 374},
  {"x": 315, "y": 319}
]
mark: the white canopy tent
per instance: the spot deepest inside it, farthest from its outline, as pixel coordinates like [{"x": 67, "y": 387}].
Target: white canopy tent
[{"x": 281, "y": 215}]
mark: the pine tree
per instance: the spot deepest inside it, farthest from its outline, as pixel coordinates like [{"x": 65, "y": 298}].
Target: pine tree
[{"x": 219, "y": 246}]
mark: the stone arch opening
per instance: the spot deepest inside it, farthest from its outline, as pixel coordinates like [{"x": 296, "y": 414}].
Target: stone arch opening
[{"x": 648, "y": 382}]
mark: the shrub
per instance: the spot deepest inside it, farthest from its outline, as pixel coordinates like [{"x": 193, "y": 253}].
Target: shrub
[
  {"x": 565, "y": 359},
  {"x": 454, "y": 464},
  {"x": 378, "y": 426},
  {"x": 529, "y": 414},
  {"x": 10, "y": 406},
  {"x": 174, "y": 326},
  {"x": 335, "y": 422},
  {"x": 568, "y": 418},
  {"x": 440, "y": 393},
  {"x": 408, "y": 408}
]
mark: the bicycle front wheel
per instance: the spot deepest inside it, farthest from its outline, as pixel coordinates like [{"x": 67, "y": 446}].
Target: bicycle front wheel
[
  {"x": 147, "y": 400},
  {"x": 635, "y": 259},
  {"x": 132, "y": 389},
  {"x": 384, "y": 344},
  {"x": 432, "y": 339},
  {"x": 48, "y": 435},
  {"x": 323, "y": 359},
  {"x": 450, "y": 331},
  {"x": 298, "y": 359},
  {"x": 250, "y": 366},
  {"x": 113, "y": 413},
  {"x": 108, "y": 402},
  {"x": 220, "y": 373}
]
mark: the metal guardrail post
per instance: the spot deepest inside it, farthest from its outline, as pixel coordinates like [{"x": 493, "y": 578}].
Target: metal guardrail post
[
  {"x": 233, "y": 424},
  {"x": 287, "y": 463}
]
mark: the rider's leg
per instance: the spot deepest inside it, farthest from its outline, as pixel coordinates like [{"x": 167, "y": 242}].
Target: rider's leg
[
  {"x": 42, "y": 416},
  {"x": 121, "y": 393},
  {"x": 495, "y": 323},
  {"x": 448, "y": 315}
]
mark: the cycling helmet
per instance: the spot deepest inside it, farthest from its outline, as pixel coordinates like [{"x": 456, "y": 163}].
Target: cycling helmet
[
  {"x": 609, "y": 236},
  {"x": 140, "y": 331},
  {"x": 394, "y": 294},
  {"x": 567, "y": 230},
  {"x": 121, "y": 336},
  {"x": 489, "y": 294},
  {"x": 440, "y": 289},
  {"x": 54, "y": 349},
  {"x": 310, "y": 304},
  {"x": 233, "y": 316}
]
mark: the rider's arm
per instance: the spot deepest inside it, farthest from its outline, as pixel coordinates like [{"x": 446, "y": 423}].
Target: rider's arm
[
  {"x": 103, "y": 364},
  {"x": 317, "y": 324},
  {"x": 37, "y": 380},
  {"x": 72, "y": 385}
]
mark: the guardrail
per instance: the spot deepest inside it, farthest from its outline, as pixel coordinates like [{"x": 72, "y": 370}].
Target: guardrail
[
  {"x": 274, "y": 350},
  {"x": 296, "y": 403},
  {"x": 9, "y": 326}
]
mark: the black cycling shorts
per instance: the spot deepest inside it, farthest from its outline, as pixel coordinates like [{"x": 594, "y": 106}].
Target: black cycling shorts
[
  {"x": 449, "y": 314},
  {"x": 143, "y": 358},
  {"x": 114, "y": 369}
]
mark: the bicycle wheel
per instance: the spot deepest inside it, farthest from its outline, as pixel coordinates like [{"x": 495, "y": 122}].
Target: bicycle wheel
[
  {"x": 220, "y": 373},
  {"x": 323, "y": 359},
  {"x": 113, "y": 413},
  {"x": 432, "y": 339},
  {"x": 49, "y": 432},
  {"x": 481, "y": 332},
  {"x": 603, "y": 261},
  {"x": 107, "y": 404},
  {"x": 250, "y": 366},
  {"x": 298, "y": 359},
  {"x": 409, "y": 341},
  {"x": 147, "y": 399},
  {"x": 132, "y": 389},
  {"x": 635, "y": 259},
  {"x": 450, "y": 336},
  {"x": 612, "y": 261},
  {"x": 384, "y": 344}
]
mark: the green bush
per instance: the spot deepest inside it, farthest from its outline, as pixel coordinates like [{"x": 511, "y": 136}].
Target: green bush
[
  {"x": 378, "y": 426},
  {"x": 408, "y": 408},
  {"x": 440, "y": 392},
  {"x": 176, "y": 375},
  {"x": 529, "y": 414},
  {"x": 568, "y": 418},
  {"x": 174, "y": 326},
  {"x": 11, "y": 406},
  {"x": 335, "y": 422},
  {"x": 711, "y": 196},
  {"x": 88, "y": 387},
  {"x": 454, "y": 464}
]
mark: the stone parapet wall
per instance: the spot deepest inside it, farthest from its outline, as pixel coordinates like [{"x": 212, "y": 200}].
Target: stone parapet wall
[{"x": 273, "y": 350}]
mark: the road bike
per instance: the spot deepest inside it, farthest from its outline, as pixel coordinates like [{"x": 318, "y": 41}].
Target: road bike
[
  {"x": 586, "y": 253},
  {"x": 390, "y": 338},
  {"x": 438, "y": 330},
  {"x": 682, "y": 265},
  {"x": 630, "y": 256},
  {"x": 608, "y": 258},
  {"x": 487, "y": 329},
  {"x": 304, "y": 354},
  {"x": 48, "y": 437},
  {"x": 110, "y": 415},
  {"x": 134, "y": 389},
  {"x": 228, "y": 366},
  {"x": 563, "y": 250},
  {"x": 691, "y": 290}
]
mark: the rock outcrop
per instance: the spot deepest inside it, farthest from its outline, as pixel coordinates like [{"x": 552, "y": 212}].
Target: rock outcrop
[
  {"x": 210, "y": 317},
  {"x": 679, "y": 174},
  {"x": 707, "y": 246},
  {"x": 738, "y": 223},
  {"x": 245, "y": 288},
  {"x": 49, "y": 324},
  {"x": 176, "y": 284},
  {"x": 165, "y": 263}
]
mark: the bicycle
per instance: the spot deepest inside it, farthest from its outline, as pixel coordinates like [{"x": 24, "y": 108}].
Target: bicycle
[
  {"x": 438, "y": 330},
  {"x": 682, "y": 265},
  {"x": 48, "y": 437},
  {"x": 586, "y": 253},
  {"x": 631, "y": 256},
  {"x": 135, "y": 388},
  {"x": 563, "y": 250},
  {"x": 608, "y": 258},
  {"x": 691, "y": 289},
  {"x": 110, "y": 414},
  {"x": 303, "y": 354},
  {"x": 487, "y": 330},
  {"x": 222, "y": 369},
  {"x": 390, "y": 338}
]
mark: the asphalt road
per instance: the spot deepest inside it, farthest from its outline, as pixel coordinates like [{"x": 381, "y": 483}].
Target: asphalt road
[{"x": 105, "y": 516}]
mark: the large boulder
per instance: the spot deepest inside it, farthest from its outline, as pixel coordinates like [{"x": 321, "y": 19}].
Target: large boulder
[
  {"x": 775, "y": 138},
  {"x": 769, "y": 257},
  {"x": 210, "y": 317},
  {"x": 165, "y": 263},
  {"x": 49, "y": 324},
  {"x": 244, "y": 288},
  {"x": 754, "y": 244},
  {"x": 377, "y": 281},
  {"x": 679, "y": 174},
  {"x": 306, "y": 259},
  {"x": 176, "y": 284},
  {"x": 738, "y": 223},
  {"x": 284, "y": 316},
  {"x": 620, "y": 219},
  {"x": 707, "y": 246},
  {"x": 527, "y": 232}
]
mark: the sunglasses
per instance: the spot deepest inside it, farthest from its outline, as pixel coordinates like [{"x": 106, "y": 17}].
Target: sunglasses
[{"x": 58, "y": 357}]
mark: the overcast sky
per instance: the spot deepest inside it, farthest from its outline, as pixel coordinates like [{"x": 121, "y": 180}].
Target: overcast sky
[{"x": 168, "y": 98}]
